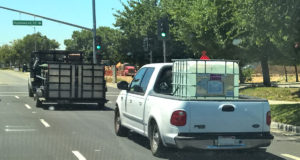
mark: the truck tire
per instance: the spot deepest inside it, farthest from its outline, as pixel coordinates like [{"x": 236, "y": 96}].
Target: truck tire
[
  {"x": 30, "y": 92},
  {"x": 119, "y": 129},
  {"x": 156, "y": 145}
]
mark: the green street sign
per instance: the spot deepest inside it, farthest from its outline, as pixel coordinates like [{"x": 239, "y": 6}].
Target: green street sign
[{"x": 27, "y": 23}]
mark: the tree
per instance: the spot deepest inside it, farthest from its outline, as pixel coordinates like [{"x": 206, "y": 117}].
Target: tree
[
  {"x": 264, "y": 27},
  {"x": 7, "y": 55},
  {"x": 111, "y": 40},
  {"x": 19, "y": 51}
]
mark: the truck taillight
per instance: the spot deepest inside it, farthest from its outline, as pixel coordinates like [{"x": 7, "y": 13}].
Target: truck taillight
[
  {"x": 178, "y": 118},
  {"x": 268, "y": 118}
]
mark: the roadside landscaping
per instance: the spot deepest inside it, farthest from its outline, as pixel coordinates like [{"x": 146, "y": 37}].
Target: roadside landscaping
[
  {"x": 119, "y": 78},
  {"x": 273, "y": 93},
  {"x": 286, "y": 113},
  {"x": 283, "y": 113}
]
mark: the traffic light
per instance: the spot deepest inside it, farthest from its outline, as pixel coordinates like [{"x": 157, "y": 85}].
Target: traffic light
[
  {"x": 163, "y": 28},
  {"x": 98, "y": 44}
]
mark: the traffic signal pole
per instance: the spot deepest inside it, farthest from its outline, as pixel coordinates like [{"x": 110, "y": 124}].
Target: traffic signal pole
[
  {"x": 66, "y": 23},
  {"x": 164, "y": 50},
  {"x": 50, "y": 19},
  {"x": 94, "y": 33}
]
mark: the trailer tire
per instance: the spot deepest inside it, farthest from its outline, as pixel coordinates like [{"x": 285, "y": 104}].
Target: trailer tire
[
  {"x": 38, "y": 103},
  {"x": 100, "y": 105},
  {"x": 30, "y": 92}
]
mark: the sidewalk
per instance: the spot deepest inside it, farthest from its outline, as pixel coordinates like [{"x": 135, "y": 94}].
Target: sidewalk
[{"x": 274, "y": 84}]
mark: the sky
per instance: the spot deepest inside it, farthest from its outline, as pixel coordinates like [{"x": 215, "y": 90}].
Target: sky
[{"x": 73, "y": 11}]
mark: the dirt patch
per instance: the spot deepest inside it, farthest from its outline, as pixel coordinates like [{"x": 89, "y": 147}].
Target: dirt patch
[{"x": 119, "y": 78}]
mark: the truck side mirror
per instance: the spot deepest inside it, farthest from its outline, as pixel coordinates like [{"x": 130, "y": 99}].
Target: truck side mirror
[{"x": 123, "y": 85}]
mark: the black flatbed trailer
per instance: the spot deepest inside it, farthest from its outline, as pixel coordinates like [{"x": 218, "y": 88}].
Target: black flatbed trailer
[{"x": 62, "y": 77}]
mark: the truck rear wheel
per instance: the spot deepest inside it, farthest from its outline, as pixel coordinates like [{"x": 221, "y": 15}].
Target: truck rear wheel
[
  {"x": 156, "y": 144},
  {"x": 119, "y": 129}
]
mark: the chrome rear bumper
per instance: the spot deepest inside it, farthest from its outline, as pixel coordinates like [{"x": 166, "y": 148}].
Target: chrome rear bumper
[{"x": 210, "y": 141}]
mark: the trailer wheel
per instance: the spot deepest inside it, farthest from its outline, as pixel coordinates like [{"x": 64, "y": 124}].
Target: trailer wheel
[
  {"x": 100, "y": 105},
  {"x": 30, "y": 92},
  {"x": 38, "y": 103}
]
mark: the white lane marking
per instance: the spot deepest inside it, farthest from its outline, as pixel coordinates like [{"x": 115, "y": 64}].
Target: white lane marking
[
  {"x": 19, "y": 130},
  {"x": 13, "y": 92},
  {"x": 33, "y": 112},
  {"x": 291, "y": 156},
  {"x": 12, "y": 95},
  {"x": 109, "y": 102},
  {"x": 27, "y": 106},
  {"x": 11, "y": 126},
  {"x": 17, "y": 97},
  {"x": 112, "y": 95},
  {"x": 45, "y": 123},
  {"x": 78, "y": 155}
]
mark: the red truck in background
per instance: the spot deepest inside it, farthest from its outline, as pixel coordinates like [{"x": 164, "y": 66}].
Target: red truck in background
[{"x": 126, "y": 69}]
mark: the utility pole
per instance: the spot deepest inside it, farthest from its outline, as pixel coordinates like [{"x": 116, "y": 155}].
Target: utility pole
[
  {"x": 94, "y": 33},
  {"x": 34, "y": 39}
]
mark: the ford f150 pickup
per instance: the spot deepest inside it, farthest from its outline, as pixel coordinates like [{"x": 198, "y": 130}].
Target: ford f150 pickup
[{"x": 148, "y": 106}]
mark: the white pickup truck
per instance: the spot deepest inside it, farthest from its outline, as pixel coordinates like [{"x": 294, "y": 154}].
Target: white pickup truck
[{"x": 148, "y": 106}]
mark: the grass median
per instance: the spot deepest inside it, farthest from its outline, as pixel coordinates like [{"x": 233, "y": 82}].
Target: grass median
[
  {"x": 283, "y": 113},
  {"x": 286, "y": 113},
  {"x": 273, "y": 93}
]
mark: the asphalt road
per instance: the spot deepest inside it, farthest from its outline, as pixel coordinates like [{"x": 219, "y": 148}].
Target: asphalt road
[{"x": 82, "y": 132}]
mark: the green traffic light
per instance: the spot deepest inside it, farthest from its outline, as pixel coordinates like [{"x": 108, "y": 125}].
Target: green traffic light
[
  {"x": 163, "y": 34},
  {"x": 98, "y": 47}
]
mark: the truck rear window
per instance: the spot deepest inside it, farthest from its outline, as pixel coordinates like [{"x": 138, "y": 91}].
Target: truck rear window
[{"x": 163, "y": 83}]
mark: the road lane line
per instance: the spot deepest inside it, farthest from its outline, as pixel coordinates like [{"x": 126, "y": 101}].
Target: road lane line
[
  {"x": 19, "y": 130},
  {"x": 12, "y": 95},
  {"x": 112, "y": 95},
  {"x": 45, "y": 123},
  {"x": 291, "y": 156},
  {"x": 13, "y": 92},
  {"x": 17, "y": 97},
  {"x": 78, "y": 155},
  {"x": 11, "y": 126},
  {"x": 27, "y": 106}
]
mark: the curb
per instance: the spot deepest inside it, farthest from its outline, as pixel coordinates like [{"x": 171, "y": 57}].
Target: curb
[{"x": 285, "y": 127}]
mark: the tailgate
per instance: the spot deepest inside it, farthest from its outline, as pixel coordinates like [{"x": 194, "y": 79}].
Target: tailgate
[
  {"x": 75, "y": 81},
  {"x": 218, "y": 116}
]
